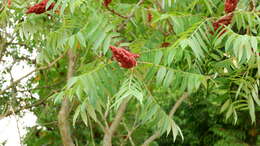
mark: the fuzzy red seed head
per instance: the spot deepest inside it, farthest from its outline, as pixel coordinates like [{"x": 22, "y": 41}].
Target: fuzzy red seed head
[
  {"x": 40, "y": 7},
  {"x": 124, "y": 58},
  {"x": 224, "y": 21},
  {"x": 230, "y": 5},
  {"x": 107, "y": 2}
]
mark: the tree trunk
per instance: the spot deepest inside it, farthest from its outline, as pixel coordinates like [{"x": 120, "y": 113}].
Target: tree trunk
[
  {"x": 107, "y": 141},
  {"x": 63, "y": 117}
]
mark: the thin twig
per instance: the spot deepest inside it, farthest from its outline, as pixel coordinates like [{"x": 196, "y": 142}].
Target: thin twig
[
  {"x": 135, "y": 126},
  {"x": 49, "y": 123},
  {"x": 6, "y": 44},
  {"x": 252, "y": 5},
  {"x": 17, "y": 125},
  {"x": 4, "y": 48},
  {"x": 116, "y": 13},
  {"x": 14, "y": 93},
  {"x": 27, "y": 106},
  {"x": 20, "y": 44},
  {"x": 121, "y": 26},
  {"x": 129, "y": 133},
  {"x": 159, "y": 5},
  {"x": 36, "y": 88},
  {"x": 31, "y": 72}
]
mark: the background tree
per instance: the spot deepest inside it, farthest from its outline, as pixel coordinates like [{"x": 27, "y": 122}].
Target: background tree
[{"x": 193, "y": 76}]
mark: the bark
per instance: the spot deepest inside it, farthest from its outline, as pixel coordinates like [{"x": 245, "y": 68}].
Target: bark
[
  {"x": 172, "y": 112},
  {"x": 151, "y": 138},
  {"x": 107, "y": 141},
  {"x": 63, "y": 116}
]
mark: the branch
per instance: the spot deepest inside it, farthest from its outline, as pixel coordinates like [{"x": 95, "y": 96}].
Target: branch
[
  {"x": 3, "y": 5},
  {"x": 116, "y": 13},
  {"x": 119, "y": 116},
  {"x": 63, "y": 116},
  {"x": 172, "y": 112},
  {"x": 6, "y": 44},
  {"x": 42, "y": 87},
  {"x": 151, "y": 138},
  {"x": 252, "y": 5},
  {"x": 107, "y": 141},
  {"x": 129, "y": 133},
  {"x": 35, "y": 70},
  {"x": 17, "y": 124},
  {"x": 20, "y": 44},
  {"x": 121, "y": 26},
  {"x": 177, "y": 104},
  {"x": 4, "y": 47},
  {"x": 26, "y": 107}
]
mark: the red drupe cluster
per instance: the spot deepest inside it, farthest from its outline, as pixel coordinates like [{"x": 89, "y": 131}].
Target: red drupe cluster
[
  {"x": 224, "y": 21},
  {"x": 230, "y": 5},
  {"x": 125, "y": 58},
  {"x": 107, "y": 2},
  {"x": 40, "y": 7}
]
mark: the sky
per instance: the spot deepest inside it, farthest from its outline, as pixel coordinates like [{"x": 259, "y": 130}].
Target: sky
[
  {"x": 9, "y": 125},
  {"x": 9, "y": 130}
]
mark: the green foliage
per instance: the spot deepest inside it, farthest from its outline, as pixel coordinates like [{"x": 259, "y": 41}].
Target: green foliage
[{"x": 220, "y": 72}]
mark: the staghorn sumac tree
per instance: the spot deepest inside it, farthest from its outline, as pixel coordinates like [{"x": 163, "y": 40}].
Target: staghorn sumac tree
[{"x": 126, "y": 72}]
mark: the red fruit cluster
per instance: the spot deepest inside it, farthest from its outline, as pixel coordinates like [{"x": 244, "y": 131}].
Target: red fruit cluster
[
  {"x": 40, "y": 7},
  {"x": 125, "y": 58},
  {"x": 107, "y": 2},
  {"x": 224, "y": 21},
  {"x": 230, "y": 5}
]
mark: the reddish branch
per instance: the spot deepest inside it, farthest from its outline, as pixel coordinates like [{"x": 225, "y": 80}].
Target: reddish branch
[
  {"x": 149, "y": 16},
  {"x": 121, "y": 26},
  {"x": 106, "y": 4},
  {"x": 116, "y": 13}
]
